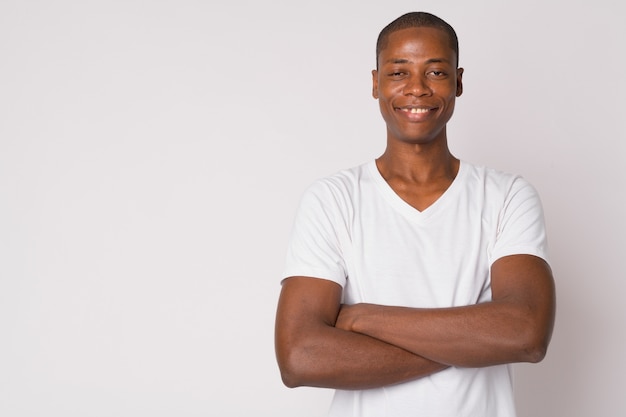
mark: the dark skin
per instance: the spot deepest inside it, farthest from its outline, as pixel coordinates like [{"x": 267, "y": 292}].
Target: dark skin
[
  {"x": 321, "y": 343},
  {"x": 416, "y": 85}
]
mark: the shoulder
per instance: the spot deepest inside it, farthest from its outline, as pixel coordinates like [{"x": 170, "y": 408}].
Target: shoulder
[
  {"x": 339, "y": 185},
  {"x": 497, "y": 181}
]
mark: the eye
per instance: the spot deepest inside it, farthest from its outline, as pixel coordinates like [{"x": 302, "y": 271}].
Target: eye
[
  {"x": 396, "y": 74},
  {"x": 437, "y": 74}
]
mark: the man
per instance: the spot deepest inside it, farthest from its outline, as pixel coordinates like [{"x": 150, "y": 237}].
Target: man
[{"x": 413, "y": 281}]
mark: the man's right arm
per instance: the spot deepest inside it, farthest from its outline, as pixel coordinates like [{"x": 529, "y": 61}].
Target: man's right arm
[{"x": 312, "y": 352}]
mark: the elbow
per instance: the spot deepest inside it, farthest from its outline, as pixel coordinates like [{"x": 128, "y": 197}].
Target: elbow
[
  {"x": 534, "y": 346},
  {"x": 535, "y": 353},
  {"x": 288, "y": 374},
  {"x": 533, "y": 337},
  {"x": 292, "y": 369},
  {"x": 290, "y": 379},
  {"x": 297, "y": 376},
  {"x": 299, "y": 358}
]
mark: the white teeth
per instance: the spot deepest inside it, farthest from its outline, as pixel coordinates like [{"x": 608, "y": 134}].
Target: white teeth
[{"x": 413, "y": 110}]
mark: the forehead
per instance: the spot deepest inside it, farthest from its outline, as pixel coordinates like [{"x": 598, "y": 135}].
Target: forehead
[{"x": 424, "y": 42}]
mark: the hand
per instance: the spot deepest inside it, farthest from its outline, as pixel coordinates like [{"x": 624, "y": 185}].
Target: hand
[
  {"x": 344, "y": 319},
  {"x": 348, "y": 315}
]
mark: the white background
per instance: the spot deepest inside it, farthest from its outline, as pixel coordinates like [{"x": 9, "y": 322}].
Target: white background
[{"x": 152, "y": 154}]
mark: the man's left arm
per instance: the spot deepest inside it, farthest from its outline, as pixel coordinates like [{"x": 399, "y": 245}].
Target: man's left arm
[{"x": 515, "y": 326}]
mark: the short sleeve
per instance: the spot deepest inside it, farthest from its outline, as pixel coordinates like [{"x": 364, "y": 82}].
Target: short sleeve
[
  {"x": 521, "y": 225},
  {"x": 314, "y": 248}
]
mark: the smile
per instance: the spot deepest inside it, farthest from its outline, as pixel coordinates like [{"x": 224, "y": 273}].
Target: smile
[{"x": 415, "y": 110}]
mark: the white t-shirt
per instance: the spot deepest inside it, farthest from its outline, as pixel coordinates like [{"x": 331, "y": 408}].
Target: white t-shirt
[{"x": 353, "y": 229}]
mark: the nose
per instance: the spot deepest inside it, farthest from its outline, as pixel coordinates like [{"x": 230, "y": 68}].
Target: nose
[{"x": 416, "y": 85}]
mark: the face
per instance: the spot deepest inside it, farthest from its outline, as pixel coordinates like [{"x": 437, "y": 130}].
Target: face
[{"x": 416, "y": 85}]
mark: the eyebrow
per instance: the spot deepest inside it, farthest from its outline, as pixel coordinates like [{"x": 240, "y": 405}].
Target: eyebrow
[{"x": 406, "y": 61}]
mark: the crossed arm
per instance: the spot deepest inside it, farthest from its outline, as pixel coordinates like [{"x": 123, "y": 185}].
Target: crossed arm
[{"x": 321, "y": 343}]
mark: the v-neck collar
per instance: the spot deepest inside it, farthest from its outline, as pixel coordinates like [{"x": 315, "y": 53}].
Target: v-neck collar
[{"x": 405, "y": 208}]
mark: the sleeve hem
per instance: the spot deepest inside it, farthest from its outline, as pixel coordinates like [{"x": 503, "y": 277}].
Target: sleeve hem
[
  {"x": 538, "y": 252},
  {"x": 320, "y": 274}
]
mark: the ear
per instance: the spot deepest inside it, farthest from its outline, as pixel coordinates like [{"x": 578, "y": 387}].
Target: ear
[
  {"x": 375, "y": 84},
  {"x": 459, "y": 81}
]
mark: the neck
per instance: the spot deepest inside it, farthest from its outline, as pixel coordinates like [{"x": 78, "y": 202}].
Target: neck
[{"x": 419, "y": 164}]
